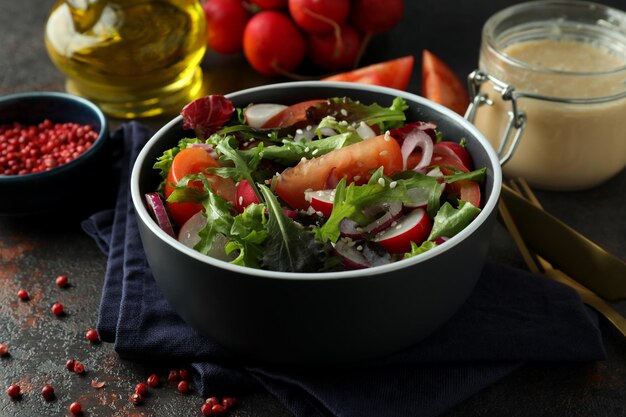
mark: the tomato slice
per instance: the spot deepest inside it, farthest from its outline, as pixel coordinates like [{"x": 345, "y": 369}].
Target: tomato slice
[
  {"x": 441, "y": 85},
  {"x": 467, "y": 191},
  {"x": 291, "y": 115},
  {"x": 192, "y": 161},
  {"x": 395, "y": 73},
  {"x": 354, "y": 162}
]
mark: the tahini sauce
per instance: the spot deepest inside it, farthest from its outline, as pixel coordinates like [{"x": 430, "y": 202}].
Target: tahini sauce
[{"x": 564, "y": 146}]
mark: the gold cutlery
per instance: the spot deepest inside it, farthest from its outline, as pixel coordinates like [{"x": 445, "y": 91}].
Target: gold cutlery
[{"x": 539, "y": 265}]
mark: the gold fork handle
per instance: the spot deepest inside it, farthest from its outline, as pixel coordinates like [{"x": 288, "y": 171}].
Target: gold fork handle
[{"x": 591, "y": 299}]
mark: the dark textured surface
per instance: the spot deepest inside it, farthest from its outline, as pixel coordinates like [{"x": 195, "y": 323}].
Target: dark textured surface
[{"x": 34, "y": 251}]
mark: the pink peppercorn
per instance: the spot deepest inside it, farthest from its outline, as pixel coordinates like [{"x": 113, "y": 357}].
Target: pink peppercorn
[
  {"x": 153, "y": 380},
  {"x": 47, "y": 392},
  {"x": 4, "y": 349},
  {"x": 30, "y": 149},
  {"x": 92, "y": 335},
  {"x": 141, "y": 388},
  {"x": 23, "y": 295},
  {"x": 183, "y": 387},
  {"x": 14, "y": 391},
  {"x": 62, "y": 281},
  {"x": 57, "y": 309},
  {"x": 75, "y": 408}
]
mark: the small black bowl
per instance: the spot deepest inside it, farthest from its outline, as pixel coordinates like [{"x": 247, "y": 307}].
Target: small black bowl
[{"x": 67, "y": 188}]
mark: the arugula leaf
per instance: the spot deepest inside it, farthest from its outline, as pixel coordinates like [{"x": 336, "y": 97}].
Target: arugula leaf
[
  {"x": 449, "y": 220},
  {"x": 477, "y": 175},
  {"x": 292, "y": 151},
  {"x": 289, "y": 247}
]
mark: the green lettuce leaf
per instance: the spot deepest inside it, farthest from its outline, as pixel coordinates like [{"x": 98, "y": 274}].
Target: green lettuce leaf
[{"x": 449, "y": 220}]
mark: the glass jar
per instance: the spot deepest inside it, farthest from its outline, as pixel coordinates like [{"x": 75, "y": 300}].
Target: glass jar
[
  {"x": 550, "y": 92},
  {"x": 134, "y": 58}
]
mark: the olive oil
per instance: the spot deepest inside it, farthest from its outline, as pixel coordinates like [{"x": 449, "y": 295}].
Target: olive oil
[{"x": 134, "y": 58}]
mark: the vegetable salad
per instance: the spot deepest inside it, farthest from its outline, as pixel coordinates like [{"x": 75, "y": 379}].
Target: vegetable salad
[{"x": 321, "y": 185}]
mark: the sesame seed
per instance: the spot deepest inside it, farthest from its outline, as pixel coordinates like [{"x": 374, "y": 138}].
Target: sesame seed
[
  {"x": 383, "y": 153},
  {"x": 306, "y": 149},
  {"x": 381, "y": 182},
  {"x": 398, "y": 226},
  {"x": 344, "y": 112},
  {"x": 356, "y": 177},
  {"x": 359, "y": 248},
  {"x": 393, "y": 184},
  {"x": 240, "y": 200},
  {"x": 299, "y": 131},
  {"x": 387, "y": 136},
  {"x": 315, "y": 151},
  {"x": 302, "y": 159}
]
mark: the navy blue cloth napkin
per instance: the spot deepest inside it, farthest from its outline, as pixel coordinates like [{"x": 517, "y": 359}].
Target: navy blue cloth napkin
[{"x": 512, "y": 317}]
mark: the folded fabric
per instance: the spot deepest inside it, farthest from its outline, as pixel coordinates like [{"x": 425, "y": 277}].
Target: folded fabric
[{"x": 512, "y": 317}]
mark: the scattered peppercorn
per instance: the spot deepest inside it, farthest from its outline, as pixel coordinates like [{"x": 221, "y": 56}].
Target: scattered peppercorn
[
  {"x": 28, "y": 149},
  {"x": 183, "y": 387},
  {"x": 57, "y": 309},
  {"x": 229, "y": 402},
  {"x": 75, "y": 408},
  {"x": 47, "y": 392},
  {"x": 183, "y": 374},
  {"x": 141, "y": 388},
  {"x": 212, "y": 401},
  {"x": 172, "y": 376},
  {"x": 23, "y": 295},
  {"x": 206, "y": 409},
  {"x": 69, "y": 365},
  {"x": 153, "y": 380},
  {"x": 218, "y": 409},
  {"x": 136, "y": 398},
  {"x": 4, "y": 349},
  {"x": 79, "y": 368},
  {"x": 14, "y": 391},
  {"x": 92, "y": 336},
  {"x": 62, "y": 281}
]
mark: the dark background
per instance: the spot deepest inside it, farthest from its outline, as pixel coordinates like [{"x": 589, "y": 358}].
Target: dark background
[{"x": 34, "y": 251}]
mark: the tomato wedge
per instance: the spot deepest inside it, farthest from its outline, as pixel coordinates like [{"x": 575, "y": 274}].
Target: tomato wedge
[
  {"x": 291, "y": 115},
  {"x": 355, "y": 163},
  {"x": 192, "y": 161},
  {"x": 395, "y": 73},
  {"x": 441, "y": 85}
]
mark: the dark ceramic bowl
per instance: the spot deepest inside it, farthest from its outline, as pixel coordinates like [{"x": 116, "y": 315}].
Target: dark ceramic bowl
[
  {"x": 65, "y": 187},
  {"x": 320, "y": 317}
]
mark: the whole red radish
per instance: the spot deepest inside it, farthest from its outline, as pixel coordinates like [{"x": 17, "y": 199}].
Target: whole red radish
[
  {"x": 376, "y": 16},
  {"x": 273, "y": 44},
  {"x": 269, "y": 4},
  {"x": 226, "y": 20},
  {"x": 332, "y": 52},
  {"x": 319, "y": 16}
]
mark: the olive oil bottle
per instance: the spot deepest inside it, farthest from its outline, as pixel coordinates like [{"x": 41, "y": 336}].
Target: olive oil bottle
[{"x": 134, "y": 58}]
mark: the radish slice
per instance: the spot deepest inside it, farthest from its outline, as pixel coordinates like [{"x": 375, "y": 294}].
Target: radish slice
[
  {"x": 417, "y": 139},
  {"x": 189, "y": 237},
  {"x": 159, "y": 213},
  {"x": 391, "y": 211},
  {"x": 413, "y": 227},
  {"x": 245, "y": 195},
  {"x": 321, "y": 200},
  {"x": 259, "y": 114},
  {"x": 350, "y": 255},
  {"x": 350, "y": 228}
]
